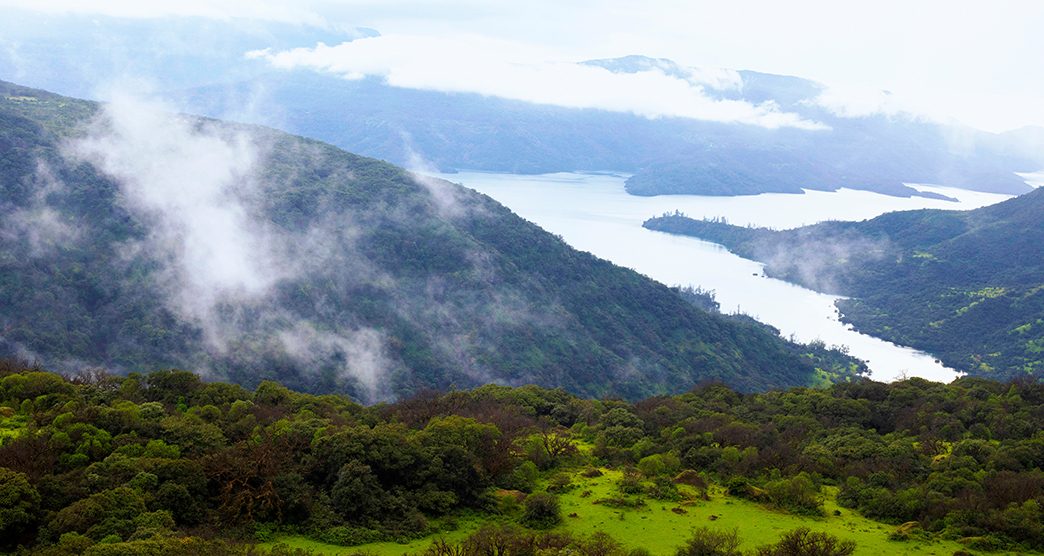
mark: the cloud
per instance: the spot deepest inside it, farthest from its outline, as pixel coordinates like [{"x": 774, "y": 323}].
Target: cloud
[
  {"x": 10, "y": 56},
  {"x": 189, "y": 182},
  {"x": 42, "y": 226},
  {"x": 957, "y": 107},
  {"x": 444, "y": 195},
  {"x": 475, "y": 64},
  {"x": 198, "y": 189},
  {"x": 862, "y": 102},
  {"x": 1035, "y": 179},
  {"x": 719, "y": 79},
  {"x": 818, "y": 263},
  {"x": 361, "y": 351}
]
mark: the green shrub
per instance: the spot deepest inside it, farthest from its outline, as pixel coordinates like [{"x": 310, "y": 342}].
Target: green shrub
[
  {"x": 804, "y": 542},
  {"x": 343, "y": 535},
  {"x": 710, "y": 542},
  {"x": 560, "y": 482},
  {"x": 542, "y": 511}
]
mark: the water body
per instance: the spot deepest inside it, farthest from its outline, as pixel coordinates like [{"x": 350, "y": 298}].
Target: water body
[{"x": 592, "y": 212}]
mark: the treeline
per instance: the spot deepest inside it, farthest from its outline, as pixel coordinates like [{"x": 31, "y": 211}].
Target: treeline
[{"x": 102, "y": 463}]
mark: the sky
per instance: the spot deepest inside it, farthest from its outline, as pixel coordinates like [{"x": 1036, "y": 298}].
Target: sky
[{"x": 980, "y": 63}]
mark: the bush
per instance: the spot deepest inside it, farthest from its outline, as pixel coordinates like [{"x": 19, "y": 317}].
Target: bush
[
  {"x": 599, "y": 544},
  {"x": 803, "y": 542},
  {"x": 798, "y": 494},
  {"x": 560, "y": 482},
  {"x": 631, "y": 483},
  {"x": 658, "y": 464},
  {"x": 691, "y": 478},
  {"x": 663, "y": 489},
  {"x": 542, "y": 511},
  {"x": 522, "y": 478},
  {"x": 620, "y": 502},
  {"x": 489, "y": 539},
  {"x": 708, "y": 542}
]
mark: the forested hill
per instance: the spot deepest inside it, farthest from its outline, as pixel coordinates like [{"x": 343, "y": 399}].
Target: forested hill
[
  {"x": 165, "y": 464},
  {"x": 138, "y": 240},
  {"x": 967, "y": 286}
]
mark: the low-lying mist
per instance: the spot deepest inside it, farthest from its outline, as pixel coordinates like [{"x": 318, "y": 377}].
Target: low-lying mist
[
  {"x": 198, "y": 188},
  {"x": 283, "y": 258}
]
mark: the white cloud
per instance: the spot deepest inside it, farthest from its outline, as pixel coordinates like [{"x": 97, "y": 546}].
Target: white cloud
[
  {"x": 187, "y": 183},
  {"x": 920, "y": 50},
  {"x": 42, "y": 226},
  {"x": 476, "y": 64},
  {"x": 197, "y": 187},
  {"x": 362, "y": 350},
  {"x": 1035, "y": 179},
  {"x": 722, "y": 79},
  {"x": 859, "y": 102}
]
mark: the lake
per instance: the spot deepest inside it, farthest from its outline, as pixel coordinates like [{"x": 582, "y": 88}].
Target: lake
[{"x": 592, "y": 212}]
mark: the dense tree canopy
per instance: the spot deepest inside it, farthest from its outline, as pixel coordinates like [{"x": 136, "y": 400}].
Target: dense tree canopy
[{"x": 100, "y": 460}]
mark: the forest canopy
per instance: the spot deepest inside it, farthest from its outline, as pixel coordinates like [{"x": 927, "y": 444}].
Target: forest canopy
[{"x": 104, "y": 460}]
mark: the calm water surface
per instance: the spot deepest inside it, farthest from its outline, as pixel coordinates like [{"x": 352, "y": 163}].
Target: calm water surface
[{"x": 592, "y": 212}]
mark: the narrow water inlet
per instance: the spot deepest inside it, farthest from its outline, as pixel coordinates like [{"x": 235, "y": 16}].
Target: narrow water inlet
[{"x": 593, "y": 212}]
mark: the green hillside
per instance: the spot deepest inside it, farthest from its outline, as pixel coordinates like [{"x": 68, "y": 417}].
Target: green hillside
[
  {"x": 362, "y": 278},
  {"x": 966, "y": 286}
]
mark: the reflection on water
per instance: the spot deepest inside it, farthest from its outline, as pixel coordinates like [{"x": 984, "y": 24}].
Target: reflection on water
[{"x": 592, "y": 212}]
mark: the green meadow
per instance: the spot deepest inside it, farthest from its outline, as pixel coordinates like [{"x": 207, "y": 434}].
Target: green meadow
[{"x": 660, "y": 527}]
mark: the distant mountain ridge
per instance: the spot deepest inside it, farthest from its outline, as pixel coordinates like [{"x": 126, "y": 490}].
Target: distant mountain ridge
[
  {"x": 459, "y": 131},
  {"x": 666, "y": 155},
  {"x": 966, "y": 286},
  {"x": 356, "y": 276}
]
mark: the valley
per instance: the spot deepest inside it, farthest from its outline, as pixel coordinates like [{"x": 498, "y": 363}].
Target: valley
[
  {"x": 593, "y": 213},
  {"x": 541, "y": 278},
  {"x": 963, "y": 284}
]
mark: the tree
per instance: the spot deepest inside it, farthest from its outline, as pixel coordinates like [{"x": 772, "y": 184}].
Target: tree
[
  {"x": 556, "y": 442},
  {"x": 19, "y": 504},
  {"x": 99, "y": 515},
  {"x": 357, "y": 495}
]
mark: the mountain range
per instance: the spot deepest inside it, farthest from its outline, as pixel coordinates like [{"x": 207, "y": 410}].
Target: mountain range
[
  {"x": 136, "y": 239},
  {"x": 452, "y": 131}
]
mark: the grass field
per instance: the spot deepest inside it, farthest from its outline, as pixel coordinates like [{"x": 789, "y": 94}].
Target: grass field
[{"x": 661, "y": 527}]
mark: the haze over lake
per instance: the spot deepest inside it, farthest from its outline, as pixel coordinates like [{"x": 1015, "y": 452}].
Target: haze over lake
[{"x": 594, "y": 213}]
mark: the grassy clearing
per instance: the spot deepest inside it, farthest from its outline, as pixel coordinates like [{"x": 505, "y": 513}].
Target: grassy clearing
[
  {"x": 12, "y": 427},
  {"x": 661, "y": 530},
  {"x": 661, "y": 527}
]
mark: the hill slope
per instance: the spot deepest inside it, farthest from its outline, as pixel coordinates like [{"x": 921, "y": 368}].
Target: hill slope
[
  {"x": 967, "y": 286},
  {"x": 138, "y": 240}
]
